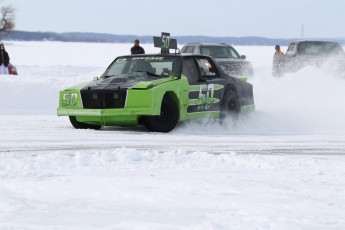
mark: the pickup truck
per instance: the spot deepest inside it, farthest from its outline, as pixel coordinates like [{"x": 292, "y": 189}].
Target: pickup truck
[{"x": 326, "y": 55}]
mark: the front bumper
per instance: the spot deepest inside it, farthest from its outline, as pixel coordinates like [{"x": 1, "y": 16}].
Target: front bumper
[{"x": 104, "y": 112}]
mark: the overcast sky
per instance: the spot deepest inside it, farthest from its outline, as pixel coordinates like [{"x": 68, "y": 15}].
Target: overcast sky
[{"x": 266, "y": 18}]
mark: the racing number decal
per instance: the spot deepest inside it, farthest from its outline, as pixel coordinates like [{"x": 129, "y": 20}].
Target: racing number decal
[
  {"x": 165, "y": 41},
  {"x": 69, "y": 99},
  {"x": 206, "y": 96}
]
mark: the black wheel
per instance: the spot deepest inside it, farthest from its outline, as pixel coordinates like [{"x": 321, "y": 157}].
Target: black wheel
[
  {"x": 79, "y": 125},
  {"x": 230, "y": 105},
  {"x": 166, "y": 121}
]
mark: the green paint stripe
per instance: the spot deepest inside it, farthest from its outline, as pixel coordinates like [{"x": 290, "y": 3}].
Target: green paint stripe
[{"x": 247, "y": 108}]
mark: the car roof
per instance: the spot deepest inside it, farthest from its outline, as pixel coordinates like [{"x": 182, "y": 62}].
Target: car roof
[
  {"x": 152, "y": 54},
  {"x": 167, "y": 55},
  {"x": 320, "y": 41},
  {"x": 206, "y": 44}
]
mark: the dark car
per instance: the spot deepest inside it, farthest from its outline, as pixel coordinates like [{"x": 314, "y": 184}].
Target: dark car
[
  {"x": 233, "y": 64},
  {"x": 326, "y": 55}
]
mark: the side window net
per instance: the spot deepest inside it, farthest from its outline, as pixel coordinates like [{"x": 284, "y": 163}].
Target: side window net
[{"x": 190, "y": 70}]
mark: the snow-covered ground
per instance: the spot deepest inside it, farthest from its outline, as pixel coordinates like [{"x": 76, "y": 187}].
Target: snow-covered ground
[{"x": 281, "y": 167}]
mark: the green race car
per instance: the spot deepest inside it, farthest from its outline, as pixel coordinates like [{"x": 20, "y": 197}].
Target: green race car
[{"x": 156, "y": 90}]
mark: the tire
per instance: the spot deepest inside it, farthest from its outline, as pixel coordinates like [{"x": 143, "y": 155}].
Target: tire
[
  {"x": 79, "y": 125},
  {"x": 166, "y": 121},
  {"x": 230, "y": 105}
]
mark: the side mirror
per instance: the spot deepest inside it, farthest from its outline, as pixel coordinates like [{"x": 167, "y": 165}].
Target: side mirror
[{"x": 243, "y": 57}]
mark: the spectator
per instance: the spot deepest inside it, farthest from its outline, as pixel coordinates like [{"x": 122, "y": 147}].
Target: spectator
[
  {"x": 278, "y": 63},
  {"x": 4, "y": 60},
  {"x": 278, "y": 51},
  {"x": 137, "y": 49}
]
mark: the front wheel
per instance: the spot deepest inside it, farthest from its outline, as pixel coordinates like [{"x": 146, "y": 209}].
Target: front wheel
[
  {"x": 79, "y": 125},
  {"x": 166, "y": 121}
]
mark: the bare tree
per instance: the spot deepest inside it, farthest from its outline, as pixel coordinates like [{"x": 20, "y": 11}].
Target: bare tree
[{"x": 7, "y": 20}]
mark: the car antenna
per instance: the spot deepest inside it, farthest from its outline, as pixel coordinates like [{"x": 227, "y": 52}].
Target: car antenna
[{"x": 165, "y": 43}]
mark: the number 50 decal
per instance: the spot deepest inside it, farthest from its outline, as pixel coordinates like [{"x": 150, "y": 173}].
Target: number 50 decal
[
  {"x": 165, "y": 41},
  {"x": 69, "y": 99},
  {"x": 206, "y": 97}
]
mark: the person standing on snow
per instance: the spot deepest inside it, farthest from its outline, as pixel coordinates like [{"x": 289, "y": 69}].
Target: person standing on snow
[
  {"x": 4, "y": 60},
  {"x": 278, "y": 51},
  {"x": 137, "y": 49},
  {"x": 278, "y": 62}
]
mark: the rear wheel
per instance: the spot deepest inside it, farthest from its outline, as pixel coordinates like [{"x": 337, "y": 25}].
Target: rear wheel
[
  {"x": 167, "y": 120},
  {"x": 230, "y": 105},
  {"x": 79, "y": 125}
]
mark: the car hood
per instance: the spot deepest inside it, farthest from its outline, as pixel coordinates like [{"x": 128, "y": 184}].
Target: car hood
[
  {"x": 320, "y": 57},
  {"x": 227, "y": 60},
  {"x": 127, "y": 81},
  {"x": 234, "y": 67}
]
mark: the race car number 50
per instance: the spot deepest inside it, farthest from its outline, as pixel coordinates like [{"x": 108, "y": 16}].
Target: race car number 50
[
  {"x": 165, "y": 41},
  {"x": 69, "y": 99}
]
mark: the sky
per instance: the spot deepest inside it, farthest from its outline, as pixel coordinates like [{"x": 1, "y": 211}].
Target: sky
[{"x": 219, "y": 18}]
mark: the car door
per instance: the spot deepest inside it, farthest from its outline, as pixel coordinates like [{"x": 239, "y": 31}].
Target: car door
[{"x": 206, "y": 86}]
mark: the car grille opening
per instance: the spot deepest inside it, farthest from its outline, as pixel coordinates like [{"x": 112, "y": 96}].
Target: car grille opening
[{"x": 97, "y": 99}]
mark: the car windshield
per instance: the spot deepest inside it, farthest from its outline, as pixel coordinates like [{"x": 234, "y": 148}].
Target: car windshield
[
  {"x": 219, "y": 51},
  {"x": 320, "y": 48},
  {"x": 147, "y": 67}
]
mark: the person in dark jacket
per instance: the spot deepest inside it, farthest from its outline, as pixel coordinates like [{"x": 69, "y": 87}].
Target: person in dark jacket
[
  {"x": 137, "y": 49},
  {"x": 4, "y": 60}
]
